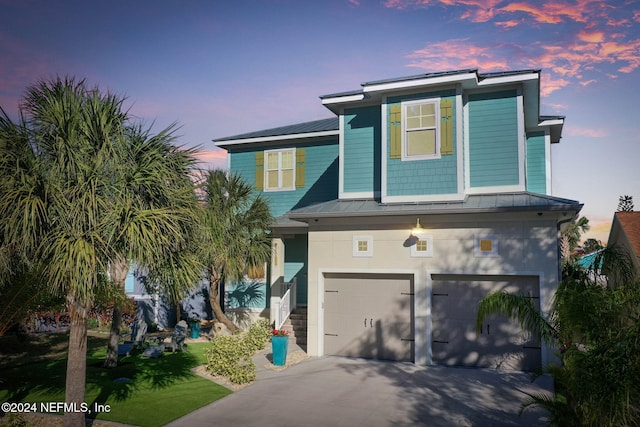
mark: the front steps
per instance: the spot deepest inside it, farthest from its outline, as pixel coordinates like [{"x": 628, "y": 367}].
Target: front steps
[{"x": 297, "y": 325}]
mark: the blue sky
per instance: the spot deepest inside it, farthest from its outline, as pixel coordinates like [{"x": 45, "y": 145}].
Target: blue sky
[{"x": 223, "y": 68}]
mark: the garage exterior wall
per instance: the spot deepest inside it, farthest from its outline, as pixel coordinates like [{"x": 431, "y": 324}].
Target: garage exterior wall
[{"x": 527, "y": 246}]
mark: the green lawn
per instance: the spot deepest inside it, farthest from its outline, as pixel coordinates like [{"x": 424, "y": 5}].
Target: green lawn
[{"x": 158, "y": 391}]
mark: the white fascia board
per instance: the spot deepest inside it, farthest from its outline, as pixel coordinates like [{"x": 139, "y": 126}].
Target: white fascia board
[
  {"x": 357, "y": 195},
  {"x": 277, "y": 138},
  {"x": 341, "y": 153},
  {"x": 496, "y": 189},
  {"x": 423, "y": 198},
  {"x": 432, "y": 81},
  {"x": 500, "y": 80},
  {"x": 343, "y": 99},
  {"x": 552, "y": 122}
]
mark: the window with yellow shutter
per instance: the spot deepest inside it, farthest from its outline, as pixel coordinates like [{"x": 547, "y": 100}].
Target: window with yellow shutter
[
  {"x": 421, "y": 129},
  {"x": 280, "y": 170}
]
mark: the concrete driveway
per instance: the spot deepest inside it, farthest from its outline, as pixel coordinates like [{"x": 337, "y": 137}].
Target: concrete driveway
[{"x": 337, "y": 391}]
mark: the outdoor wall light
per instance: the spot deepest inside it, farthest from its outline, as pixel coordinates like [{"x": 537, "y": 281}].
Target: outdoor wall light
[{"x": 418, "y": 228}]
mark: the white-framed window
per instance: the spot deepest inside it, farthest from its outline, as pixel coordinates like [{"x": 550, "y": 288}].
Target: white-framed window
[
  {"x": 423, "y": 246},
  {"x": 280, "y": 170},
  {"x": 421, "y": 130},
  {"x": 363, "y": 246},
  {"x": 485, "y": 246}
]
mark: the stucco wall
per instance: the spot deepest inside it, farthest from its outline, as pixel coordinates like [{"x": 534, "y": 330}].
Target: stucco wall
[{"x": 527, "y": 245}]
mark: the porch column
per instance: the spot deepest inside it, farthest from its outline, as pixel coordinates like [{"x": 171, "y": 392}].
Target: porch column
[{"x": 277, "y": 276}]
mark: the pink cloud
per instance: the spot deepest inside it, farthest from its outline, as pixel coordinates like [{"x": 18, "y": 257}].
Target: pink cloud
[
  {"x": 593, "y": 43},
  {"x": 585, "y": 132}
]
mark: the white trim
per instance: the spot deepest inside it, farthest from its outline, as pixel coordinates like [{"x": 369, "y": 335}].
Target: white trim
[
  {"x": 427, "y": 81},
  {"x": 547, "y": 161},
  {"x": 341, "y": 153},
  {"x": 423, "y": 198},
  {"x": 422, "y": 254},
  {"x": 501, "y": 80},
  {"x": 466, "y": 143},
  {"x": 277, "y": 138},
  {"x": 404, "y": 105},
  {"x": 384, "y": 153},
  {"x": 495, "y": 245},
  {"x": 265, "y": 169},
  {"x": 496, "y": 189},
  {"x": 522, "y": 134},
  {"x": 459, "y": 143},
  {"x": 345, "y": 98},
  {"x": 551, "y": 122},
  {"x": 356, "y": 248},
  {"x": 358, "y": 194}
]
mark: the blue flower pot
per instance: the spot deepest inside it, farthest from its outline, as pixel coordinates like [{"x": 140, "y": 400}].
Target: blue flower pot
[
  {"x": 279, "y": 346},
  {"x": 195, "y": 330}
]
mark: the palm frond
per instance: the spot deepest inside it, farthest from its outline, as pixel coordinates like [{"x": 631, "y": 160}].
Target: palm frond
[{"x": 519, "y": 308}]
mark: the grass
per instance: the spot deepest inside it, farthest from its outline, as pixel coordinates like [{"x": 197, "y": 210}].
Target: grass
[{"x": 157, "y": 391}]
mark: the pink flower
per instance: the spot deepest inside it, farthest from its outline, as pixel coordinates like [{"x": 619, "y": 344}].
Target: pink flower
[{"x": 280, "y": 332}]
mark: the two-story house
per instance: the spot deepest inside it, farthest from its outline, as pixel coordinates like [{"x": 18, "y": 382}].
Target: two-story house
[{"x": 423, "y": 195}]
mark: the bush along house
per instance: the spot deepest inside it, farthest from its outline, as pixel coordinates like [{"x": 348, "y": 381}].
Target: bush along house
[{"x": 395, "y": 217}]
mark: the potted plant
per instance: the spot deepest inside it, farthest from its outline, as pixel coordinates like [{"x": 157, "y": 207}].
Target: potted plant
[
  {"x": 194, "y": 324},
  {"x": 279, "y": 345}
]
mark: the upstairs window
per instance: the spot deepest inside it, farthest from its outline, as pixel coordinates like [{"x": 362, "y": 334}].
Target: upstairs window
[
  {"x": 279, "y": 170},
  {"x": 421, "y": 130}
]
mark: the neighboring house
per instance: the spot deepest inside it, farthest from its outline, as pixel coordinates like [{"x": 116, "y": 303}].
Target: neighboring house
[
  {"x": 625, "y": 234},
  {"x": 395, "y": 217}
]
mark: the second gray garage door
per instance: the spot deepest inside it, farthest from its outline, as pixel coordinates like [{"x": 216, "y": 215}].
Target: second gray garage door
[
  {"x": 501, "y": 343},
  {"x": 369, "y": 315}
]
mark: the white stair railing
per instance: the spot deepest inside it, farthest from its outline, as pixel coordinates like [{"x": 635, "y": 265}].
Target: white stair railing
[{"x": 287, "y": 303}]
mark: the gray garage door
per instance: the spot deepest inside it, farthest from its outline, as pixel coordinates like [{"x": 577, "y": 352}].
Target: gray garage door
[
  {"x": 501, "y": 343},
  {"x": 369, "y": 315}
]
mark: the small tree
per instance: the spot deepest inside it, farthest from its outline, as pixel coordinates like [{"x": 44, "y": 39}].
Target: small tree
[
  {"x": 625, "y": 204},
  {"x": 235, "y": 233},
  {"x": 596, "y": 329},
  {"x": 592, "y": 245}
]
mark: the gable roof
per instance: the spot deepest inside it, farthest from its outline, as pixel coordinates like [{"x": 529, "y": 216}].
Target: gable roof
[
  {"x": 314, "y": 128},
  {"x": 629, "y": 223},
  {"x": 477, "y": 203},
  {"x": 468, "y": 78}
]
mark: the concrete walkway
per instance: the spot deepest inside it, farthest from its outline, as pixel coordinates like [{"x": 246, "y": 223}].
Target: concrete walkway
[{"x": 337, "y": 391}]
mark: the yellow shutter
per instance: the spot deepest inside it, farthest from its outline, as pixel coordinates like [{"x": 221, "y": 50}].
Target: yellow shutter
[
  {"x": 446, "y": 127},
  {"x": 300, "y": 167},
  {"x": 260, "y": 170},
  {"x": 395, "y": 131}
]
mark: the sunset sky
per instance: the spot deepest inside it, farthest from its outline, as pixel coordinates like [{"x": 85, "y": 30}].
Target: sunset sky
[{"x": 226, "y": 67}]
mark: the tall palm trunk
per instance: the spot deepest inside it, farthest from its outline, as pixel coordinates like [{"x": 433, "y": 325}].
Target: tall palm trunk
[
  {"x": 76, "y": 364},
  {"x": 214, "y": 299},
  {"x": 118, "y": 270}
]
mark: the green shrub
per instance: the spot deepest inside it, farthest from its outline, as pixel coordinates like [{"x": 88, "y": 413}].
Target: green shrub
[
  {"x": 231, "y": 356},
  {"x": 258, "y": 335},
  {"x": 92, "y": 323}
]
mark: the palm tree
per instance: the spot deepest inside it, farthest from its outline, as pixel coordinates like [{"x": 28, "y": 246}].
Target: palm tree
[
  {"x": 596, "y": 329},
  {"x": 571, "y": 235},
  {"x": 155, "y": 201},
  {"x": 236, "y": 223},
  {"x": 63, "y": 203}
]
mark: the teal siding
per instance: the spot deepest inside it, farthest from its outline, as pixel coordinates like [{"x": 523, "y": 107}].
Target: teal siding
[
  {"x": 424, "y": 177},
  {"x": 362, "y": 149},
  {"x": 536, "y": 163},
  {"x": 493, "y": 139},
  {"x": 321, "y": 175},
  {"x": 246, "y": 294},
  {"x": 295, "y": 264}
]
